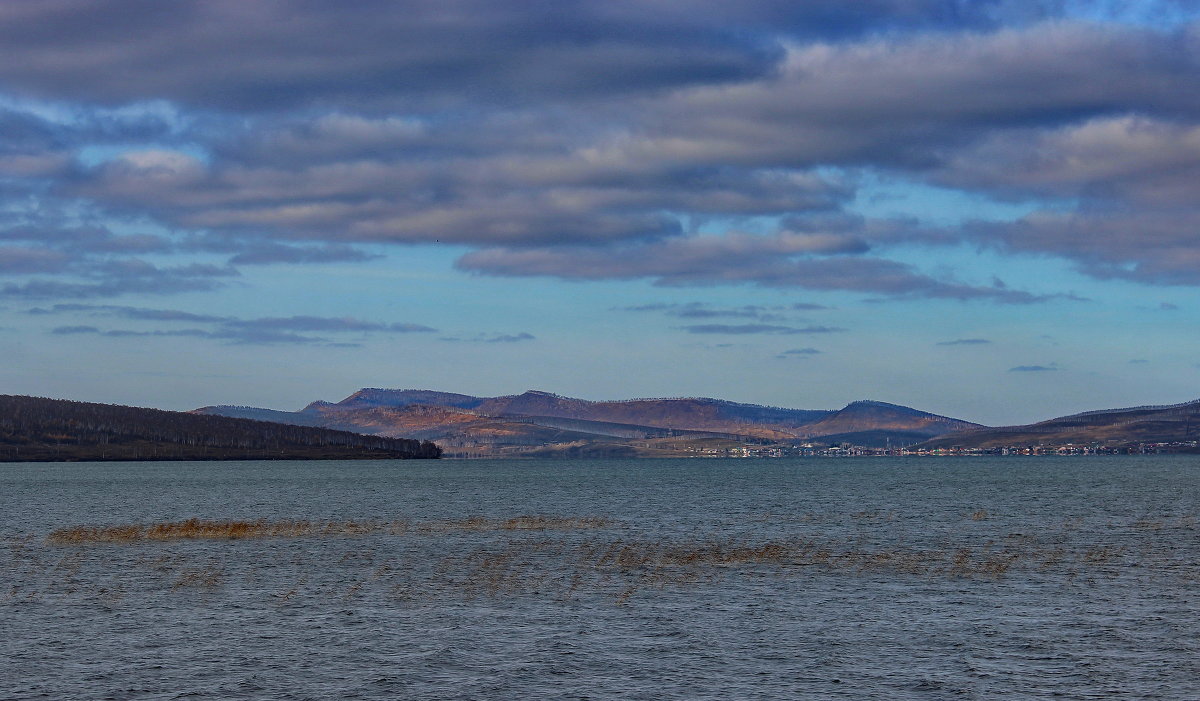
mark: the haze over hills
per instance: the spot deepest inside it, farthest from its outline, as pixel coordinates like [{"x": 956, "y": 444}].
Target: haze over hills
[{"x": 537, "y": 422}]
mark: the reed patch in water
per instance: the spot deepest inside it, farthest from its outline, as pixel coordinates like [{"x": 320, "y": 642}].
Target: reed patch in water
[
  {"x": 536, "y": 555},
  {"x": 199, "y": 529}
]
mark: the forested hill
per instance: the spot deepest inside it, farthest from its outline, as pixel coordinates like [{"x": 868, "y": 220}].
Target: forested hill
[{"x": 38, "y": 429}]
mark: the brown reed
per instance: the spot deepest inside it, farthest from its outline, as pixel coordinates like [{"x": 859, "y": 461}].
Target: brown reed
[
  {"x": 523, "y": 558},
  {"x": 203, "y": 578},
  {"x": 196, "y": 529},
  {"x": 518, "y": 523}
]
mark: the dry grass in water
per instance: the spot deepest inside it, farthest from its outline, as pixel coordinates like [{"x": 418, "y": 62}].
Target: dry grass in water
[
  {"x": 519, "y": 523},
  {"x": 197, "y": 529},
  {"x": 621, "y": 568},
  {"x": 202, "y": 578},
  {"x": 535, "y": 555}
]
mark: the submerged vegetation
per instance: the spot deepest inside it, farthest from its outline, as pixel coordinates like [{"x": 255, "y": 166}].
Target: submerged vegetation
[
  {"x": 194, "y": 529},
  {"x": 557, "y": 556}
]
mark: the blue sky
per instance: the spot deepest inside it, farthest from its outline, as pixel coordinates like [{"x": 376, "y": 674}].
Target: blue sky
[{"x": 988, "y": 210}]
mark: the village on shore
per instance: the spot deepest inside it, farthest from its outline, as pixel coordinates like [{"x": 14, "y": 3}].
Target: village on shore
[{"x": 775, "y": 451}]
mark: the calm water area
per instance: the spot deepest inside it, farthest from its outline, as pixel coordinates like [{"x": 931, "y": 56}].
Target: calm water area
[{"x": 897, "y": 578}]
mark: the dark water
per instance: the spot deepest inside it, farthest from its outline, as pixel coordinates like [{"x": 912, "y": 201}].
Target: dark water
[{"x": 709, "y": 579}]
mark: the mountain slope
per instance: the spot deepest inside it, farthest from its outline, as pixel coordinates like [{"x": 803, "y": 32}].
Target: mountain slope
[
  {"x": 369, "y": 397},
  {"x": 271, "y": 415},
  {"x": 1147, "y": 424},
  {"x": 34, "y": 428},
  {"x": 685, "y": 413},
  {"x": 872, "y": 416}
]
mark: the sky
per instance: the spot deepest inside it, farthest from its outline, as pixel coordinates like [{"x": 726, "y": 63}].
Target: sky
[{"x": 988, "y": 210}]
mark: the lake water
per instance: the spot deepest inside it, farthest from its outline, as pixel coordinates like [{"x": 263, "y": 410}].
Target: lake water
[{"x": 955, "y": 578}]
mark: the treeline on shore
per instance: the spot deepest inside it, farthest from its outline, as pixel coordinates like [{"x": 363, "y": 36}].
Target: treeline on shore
[{"x": 39, "y": 429}]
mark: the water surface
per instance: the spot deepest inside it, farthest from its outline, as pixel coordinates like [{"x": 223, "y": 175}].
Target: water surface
[{"x": 827, "y": 578}]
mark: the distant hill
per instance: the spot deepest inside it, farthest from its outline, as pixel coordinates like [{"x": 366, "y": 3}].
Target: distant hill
[
  {"x": 686, "y": 413},
  {"x": 515, "y": 424},
  {"x": 536, "y": 423},
  {"x": 39, "y": 429},
  {"x": 1175, "y": 423},
  {"x": 875, "y": 417},
  {"x": 372, "y": 397},
  {"x": 269, "y": 415}
]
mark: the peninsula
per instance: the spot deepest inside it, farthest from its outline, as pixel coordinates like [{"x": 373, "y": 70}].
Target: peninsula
[{"x": 34, "y": 429}]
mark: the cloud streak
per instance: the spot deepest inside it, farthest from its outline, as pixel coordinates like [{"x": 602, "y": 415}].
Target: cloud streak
[
  {"x": 799, "y": 353},
  {"x": 782, "y": 260},
  {"x": 260, "y": 331},
  {"x": 743, "y": 329}
]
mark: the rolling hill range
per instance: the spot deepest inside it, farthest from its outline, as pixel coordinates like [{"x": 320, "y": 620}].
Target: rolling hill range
[
  {"x": 1175, "y": 423},
  {"x": 541, "y": 423}
]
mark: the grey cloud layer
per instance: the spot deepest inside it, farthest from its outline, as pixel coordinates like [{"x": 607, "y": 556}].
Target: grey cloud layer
[
  {"x": 93, "y": 262},
  {"x": 278, "y": 55},
  {"x": 621, "y": 140},
  {"x": 779, "y": 261}
]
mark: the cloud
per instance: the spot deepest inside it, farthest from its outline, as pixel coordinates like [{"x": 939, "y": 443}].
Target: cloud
[
  {"x": 493, "y": 338},
  {"x": 79, "y": 262},
  {"x": 965, "y": 342},
  {"x": 71, "y": 330},
  {"x": 327, "y": 324},
  {"x": 270, "y": 254},
  {"x": 126, "y": 312},
  {"x": 798, "y": 353},
  {"x": 482, "y": 183},
  {"x": 748, "y": 146},
  {"x": 24, "y": 261},
  {"x": 261, "y": 331},
  {"x": 785, "y": 259},
  {"x": 1129, "y": 187},
  {"x": 758, "y": 329},
  {"x": 589, "y": 141},
  {"x": 1140, "y": 245},
  {"x": 249, "y": 336},
  {"x": 146, "y": 281},
  {"x": 510, "y": 338},
  {"x": 1034, "y": 368},
  {"x": 286, "y": 56},
  {"x": 1138, "y": 158},
  {"x": 699, "y": 310},
  {"x": 916, "y": 98}
]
